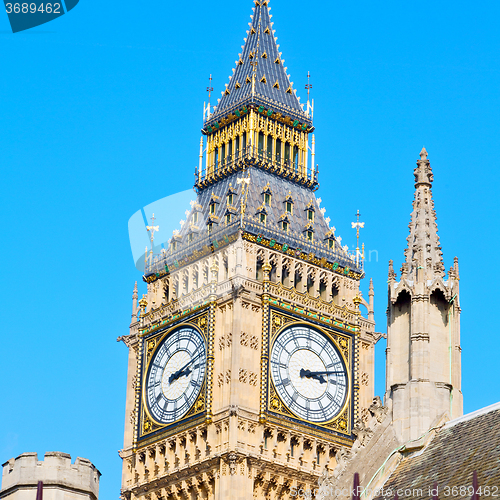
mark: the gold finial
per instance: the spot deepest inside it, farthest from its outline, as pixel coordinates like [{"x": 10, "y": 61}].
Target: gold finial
[
  {"x": 357, "y": 225},
  {"x": 143, "y": 303},
  {"x": 357, "y": 300}
]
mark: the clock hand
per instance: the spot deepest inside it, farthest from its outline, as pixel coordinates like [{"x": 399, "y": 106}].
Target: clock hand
[
  {"x": 317, "y": 375},
  {"x": 187, "y": 371},
  {"x": 309, "y": 373},
  {"x": 314, "y": 375},
  {"x": 178, "y": 373}
]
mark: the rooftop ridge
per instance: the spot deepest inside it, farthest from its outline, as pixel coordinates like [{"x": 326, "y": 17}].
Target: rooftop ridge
[{"x": 472, "y": 415}]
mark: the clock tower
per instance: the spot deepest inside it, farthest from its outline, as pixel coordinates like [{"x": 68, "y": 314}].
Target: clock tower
[{"x": 250, "y": 363}]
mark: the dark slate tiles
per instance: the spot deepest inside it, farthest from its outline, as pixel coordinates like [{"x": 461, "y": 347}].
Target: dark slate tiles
[
  {"x": 280, "y": 188},
  {"x": 260, "y": 54},
  {"x": 450, "y": 460}
]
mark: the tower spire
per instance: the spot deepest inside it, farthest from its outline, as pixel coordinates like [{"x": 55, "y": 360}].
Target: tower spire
[
  {"x": 423, "y": 255},
  {"x": 259, "y": 76},
  {"x": 423, "y": 371}
]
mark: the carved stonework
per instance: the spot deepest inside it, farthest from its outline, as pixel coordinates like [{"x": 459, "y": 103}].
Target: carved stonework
[
  {"x": 362, "y": 433},
  {"x": 377, "y": 409}
]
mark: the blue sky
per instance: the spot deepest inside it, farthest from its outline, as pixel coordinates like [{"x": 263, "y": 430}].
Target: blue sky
[{"x": 100, "y": 116}]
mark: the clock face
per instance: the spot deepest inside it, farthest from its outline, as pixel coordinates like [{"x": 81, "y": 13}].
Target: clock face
[
  {"x": 309, "y": 374},
  {"x": 175, "y": 375}
]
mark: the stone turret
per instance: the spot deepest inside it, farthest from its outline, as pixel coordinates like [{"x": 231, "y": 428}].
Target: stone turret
[
  {"x": 61, "y": 479},
  {"x": 423, "y": 348}
]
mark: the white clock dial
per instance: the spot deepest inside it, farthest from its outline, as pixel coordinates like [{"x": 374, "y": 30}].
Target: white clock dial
[
  {"x": 175, "y": 375},
  {"x": 309, "y": 374}
]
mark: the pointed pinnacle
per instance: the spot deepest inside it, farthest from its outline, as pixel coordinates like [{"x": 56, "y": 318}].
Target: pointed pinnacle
[{"x": 423, "y": 154}]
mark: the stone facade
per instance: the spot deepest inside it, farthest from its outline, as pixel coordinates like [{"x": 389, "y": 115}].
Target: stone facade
[
  {"x": 237, "y": 453},
  {"x": 61, "y": 479}
]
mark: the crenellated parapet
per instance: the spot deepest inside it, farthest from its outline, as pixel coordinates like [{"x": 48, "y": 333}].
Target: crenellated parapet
[{"x": 61, "y": 478}]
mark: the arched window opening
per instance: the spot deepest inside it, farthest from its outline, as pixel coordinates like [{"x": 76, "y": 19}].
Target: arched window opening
[
  {"x": 237, "y": 147},
  {"x": 310, "y": 285},
  {"x": 259, "y": 275},
  {"x": 285, "y": 277},
  {"x": 287, "y": 153},
  {"x": 298, "y": 280},
  {"x": 322, "y": 290},
  {"x": 335, "y": 293},
  {"x": 278, "y": 150},
  {"x": 261, "y": 142}
]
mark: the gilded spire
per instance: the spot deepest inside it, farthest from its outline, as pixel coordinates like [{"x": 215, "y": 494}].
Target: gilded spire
[{"x": 424, "y": 258}]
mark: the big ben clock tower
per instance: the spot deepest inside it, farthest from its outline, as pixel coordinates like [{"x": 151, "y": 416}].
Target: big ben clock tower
[{"x": 250, "y": 363}]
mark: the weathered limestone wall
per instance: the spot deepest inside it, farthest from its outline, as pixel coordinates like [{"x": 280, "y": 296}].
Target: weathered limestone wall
[{"x": 374, "y": 445}]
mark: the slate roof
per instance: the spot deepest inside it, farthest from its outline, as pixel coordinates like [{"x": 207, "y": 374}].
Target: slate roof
[
  {"x": 262, "y": 52},
  {"x": 464, "y": 445},
  {"x": 281, "y": 189}
]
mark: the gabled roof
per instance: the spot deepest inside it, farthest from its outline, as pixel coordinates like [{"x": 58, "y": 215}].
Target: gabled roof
[{"x": 261, "y": 57}]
